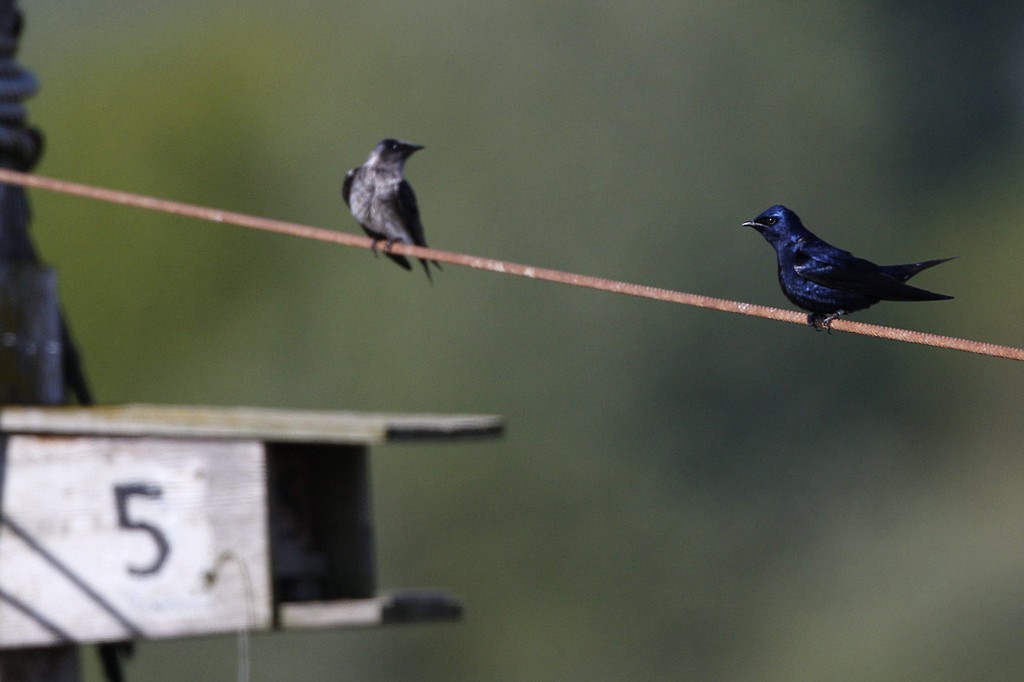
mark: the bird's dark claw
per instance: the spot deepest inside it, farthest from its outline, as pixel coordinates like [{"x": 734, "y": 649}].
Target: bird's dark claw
[
  {"x": 824, "y": 322},
  {"x": 387, "y": 245}
]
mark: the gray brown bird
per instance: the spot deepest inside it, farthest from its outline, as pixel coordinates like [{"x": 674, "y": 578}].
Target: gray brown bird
[{"x": 383, "y": 202}]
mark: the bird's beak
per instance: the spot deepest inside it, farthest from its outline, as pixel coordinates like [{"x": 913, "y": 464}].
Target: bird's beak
[
  {"x": 753, "y": 224},
  {"x": 415, "y": 147}
]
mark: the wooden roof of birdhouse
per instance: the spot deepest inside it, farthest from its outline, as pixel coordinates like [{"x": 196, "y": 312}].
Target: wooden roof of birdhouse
[{"x": 273, "y": 425}]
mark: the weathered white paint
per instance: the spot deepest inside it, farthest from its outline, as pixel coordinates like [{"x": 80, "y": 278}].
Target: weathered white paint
[{"x": 60, "y": 492}]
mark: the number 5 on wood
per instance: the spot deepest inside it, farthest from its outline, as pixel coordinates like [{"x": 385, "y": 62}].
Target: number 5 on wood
[{"x": 121, "y": 495}]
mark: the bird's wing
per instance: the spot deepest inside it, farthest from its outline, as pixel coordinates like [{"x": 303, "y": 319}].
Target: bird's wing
[
  {"x": 409, "y": 211},
  {"x": 838, "y": 269},
  {"x": 346, "y": 187}
]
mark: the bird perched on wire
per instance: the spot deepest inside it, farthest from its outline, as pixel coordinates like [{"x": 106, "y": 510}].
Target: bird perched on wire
[
  {"x": 383, "y": 202},
  {"x": 827, "y": 281}
]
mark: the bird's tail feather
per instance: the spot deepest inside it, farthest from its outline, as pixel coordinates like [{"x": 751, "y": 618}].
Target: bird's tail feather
[
  {"x": 426, "y": 268},
  {"x": 401, "y": 260},
  {"x": 908, "y": 270}
]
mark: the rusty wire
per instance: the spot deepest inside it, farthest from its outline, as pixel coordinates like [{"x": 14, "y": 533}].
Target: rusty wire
[{"x": 493, "y": 265}]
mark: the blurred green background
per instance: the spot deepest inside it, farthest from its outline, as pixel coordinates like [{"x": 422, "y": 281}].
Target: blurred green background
[{"x": 681, "y": 494}]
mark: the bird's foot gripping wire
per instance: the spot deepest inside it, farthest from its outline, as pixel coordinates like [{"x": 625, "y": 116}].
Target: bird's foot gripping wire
[
  {"x": 824, "y": 322},
  {"x": 388, "y": 243},
  {"x": 373, "y": 247}
]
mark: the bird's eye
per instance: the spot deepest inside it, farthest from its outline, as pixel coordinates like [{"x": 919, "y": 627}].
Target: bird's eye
[
  {"x": 769, "y": 220},
  {"x": 393, "y": 146}
]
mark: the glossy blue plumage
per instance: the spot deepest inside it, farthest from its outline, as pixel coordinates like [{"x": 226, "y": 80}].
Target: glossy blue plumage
[{"x": 827, "y": 281}]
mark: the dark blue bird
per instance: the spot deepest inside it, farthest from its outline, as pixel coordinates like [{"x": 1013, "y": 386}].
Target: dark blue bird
[{"x": 827, "y": 281}]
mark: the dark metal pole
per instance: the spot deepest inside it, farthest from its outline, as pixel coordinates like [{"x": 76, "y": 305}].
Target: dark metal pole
[{"x": 38, "y": 362}]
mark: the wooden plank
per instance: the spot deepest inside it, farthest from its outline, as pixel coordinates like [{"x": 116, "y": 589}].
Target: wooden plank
[
  {"x": 121, "y": 538},
  {"x": 350, "y": 428},
  {"x": 335, "y": 614},
  {"x": 410, "y": 606}
]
